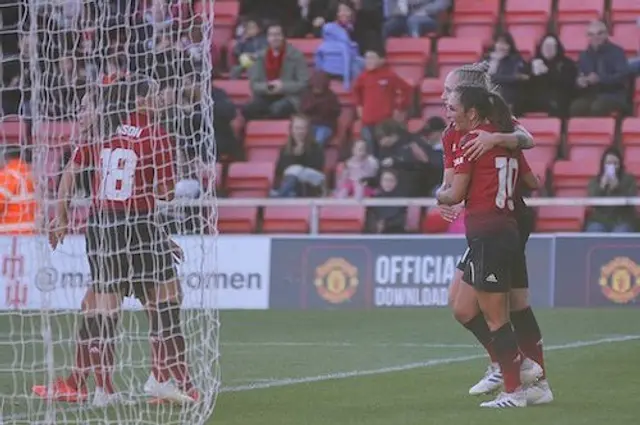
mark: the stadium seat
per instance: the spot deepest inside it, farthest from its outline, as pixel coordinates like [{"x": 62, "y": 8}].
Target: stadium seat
[
  {"x": 588, "y": 137},
  {"x": 250, "y": 179},
  {"x": 579, "y": 11},
  {"x": 12, "y": 130},
  {"x": 432, "y": 222},
  {"x": 290, "y": 219},
  {"x": 627, "y": 36},
  {"x": 526, "y": 38},
  {"x": 528, "y": 12},
  {"x": 237, "y": 219},
  {"x": 560, "y": 219},
  {"x": 226, "y": 17},
  {"x": 546, "y": 133},
  {"x": 477, "y": 19},
  {"x": 341, "y": 219},
  {"x": 570, "y": 178},
  {"x": 238, "y": 90},
  {"x": 455, "y": 51},
  {"x": 307, "y": 46},
  {"x": 631, "y": 132},
  {"x": 408, "y": 57},
  {"x": 632, "y": 167},
  {"x": 574, "y": 38},
  {"x": 431, "y": 93},
  {"x": 263, "y": 139},
  {"x": 55, "y": 133},
  {"x": 538, "y": 168},
  {"x": 625, "y": 11}
]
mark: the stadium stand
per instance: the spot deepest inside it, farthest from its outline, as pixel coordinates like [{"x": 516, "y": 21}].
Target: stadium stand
[{"x": 567, "y": 149}]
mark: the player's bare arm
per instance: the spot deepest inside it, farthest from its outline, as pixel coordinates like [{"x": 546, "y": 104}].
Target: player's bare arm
[
  {"x": 456, "y": 193},
  {"x": 448, "y": 212},
  {"x": 66, "y": 187},
  {"x": 484, "y": 141}
]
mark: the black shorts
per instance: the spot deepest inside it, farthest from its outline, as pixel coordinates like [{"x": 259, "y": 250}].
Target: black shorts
[
  {"x": 520, "y": 278},
  {"x": 127, "y": 254},
  {"x": 493, "y": 264}
]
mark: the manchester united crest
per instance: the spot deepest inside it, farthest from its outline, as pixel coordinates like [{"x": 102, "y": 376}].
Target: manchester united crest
[
  {"x": 620, "y": 280},
  {"x": 336, "y": 280}
]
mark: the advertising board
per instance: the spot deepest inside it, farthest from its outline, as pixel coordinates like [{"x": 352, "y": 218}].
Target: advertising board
[{"x": 238, "y": 267}]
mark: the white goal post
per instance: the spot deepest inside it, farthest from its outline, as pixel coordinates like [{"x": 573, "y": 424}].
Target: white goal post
[{"x": 58, "y": 57}]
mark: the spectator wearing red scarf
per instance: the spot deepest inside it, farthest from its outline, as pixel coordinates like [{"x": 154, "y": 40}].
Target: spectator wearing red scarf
[{"x": 278, "y": 78}]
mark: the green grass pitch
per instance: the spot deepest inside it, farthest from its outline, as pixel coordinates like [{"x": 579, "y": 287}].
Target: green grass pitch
[{"x": 377, "y": 367}]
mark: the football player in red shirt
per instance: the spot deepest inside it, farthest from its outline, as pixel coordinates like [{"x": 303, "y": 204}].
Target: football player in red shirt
[
  {"x": 487, "y": 186},
  {"x": 461, "y": 296},
  {"x": 133, "y": 168}
]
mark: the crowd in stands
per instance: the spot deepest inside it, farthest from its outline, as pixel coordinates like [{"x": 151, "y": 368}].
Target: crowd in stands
[{"x": 356, "y": 127}]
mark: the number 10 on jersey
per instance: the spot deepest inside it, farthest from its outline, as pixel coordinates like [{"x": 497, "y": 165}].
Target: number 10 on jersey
[
  {"x": 507, "y": 179},
  {"x": 118, "y": 169}
]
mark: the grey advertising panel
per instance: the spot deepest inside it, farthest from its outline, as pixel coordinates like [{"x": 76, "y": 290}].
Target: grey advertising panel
[
  {"x": 381, "y": 272},
  {"x": 593, "y": 271}
]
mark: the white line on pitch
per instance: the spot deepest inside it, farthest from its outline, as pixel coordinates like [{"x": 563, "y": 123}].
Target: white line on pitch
[
  {"x": 357, "y": 373},
  {"x": 343, "y": 344},
  {"x": 409, "y": 366}
]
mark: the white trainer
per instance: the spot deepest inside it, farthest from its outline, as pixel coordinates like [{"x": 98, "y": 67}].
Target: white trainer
[
  {"x": 539, "y": 393},
  {"x": 530, "y": 371},
  {"x": 490, "y": 382},
  {"x": 507, "y": 400},
  {"x": 103, "y": 399},
  {"x": 165, "y": 391}
]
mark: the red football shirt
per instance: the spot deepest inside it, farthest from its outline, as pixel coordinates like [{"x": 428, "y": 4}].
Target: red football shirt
[
  {"x": 128, "y": 166},
  {"x": 490, "y": 200},
  {"x": 451, "y": 139}
]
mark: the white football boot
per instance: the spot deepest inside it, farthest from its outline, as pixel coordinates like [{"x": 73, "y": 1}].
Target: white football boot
[
  {"x": 530, "y": 371},
  {"x": 539, "y": 393},
  {"x": 103, "y": 399},
  {"x": 165, "y": 391},
  {"x": 517, "y": 398},
  {"x": 490, "y": 382}
]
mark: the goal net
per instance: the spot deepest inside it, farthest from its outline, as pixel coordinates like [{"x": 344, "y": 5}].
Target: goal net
[{"x": 58, "y": 57}]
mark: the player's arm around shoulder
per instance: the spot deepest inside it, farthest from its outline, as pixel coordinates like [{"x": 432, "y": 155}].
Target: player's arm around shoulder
[{"x": 484, "y": 141}]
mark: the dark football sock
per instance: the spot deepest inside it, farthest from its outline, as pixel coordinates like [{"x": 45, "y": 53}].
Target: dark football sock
[
  {"x": 82, "y": 366},
  {"x": 158, "y": 368},
  {"x": 174, "y": 352},
  {"x": 528, "y": 335},
  {"x": 102, "y": 352},
  {"x": 479, "y": 328},
  {"x": 509, "y": 357}
]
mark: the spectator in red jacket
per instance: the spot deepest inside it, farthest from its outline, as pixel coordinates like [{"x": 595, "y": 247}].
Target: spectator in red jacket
[
  {"x": 322, "y": 107},
  {"x": 380, "y": 94}
]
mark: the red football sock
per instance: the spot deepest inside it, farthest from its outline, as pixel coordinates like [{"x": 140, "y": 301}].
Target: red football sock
[
  {"x": 102, "y": 353},
  {"x": 82, "y": 368},
  {"x": 173, "y": 351},
  {"x": 509, "y": 357},
  {"x": 529, "y": 336},
  {"x": 175, "y": 359},
  {"x": 158, "y": 367}
]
